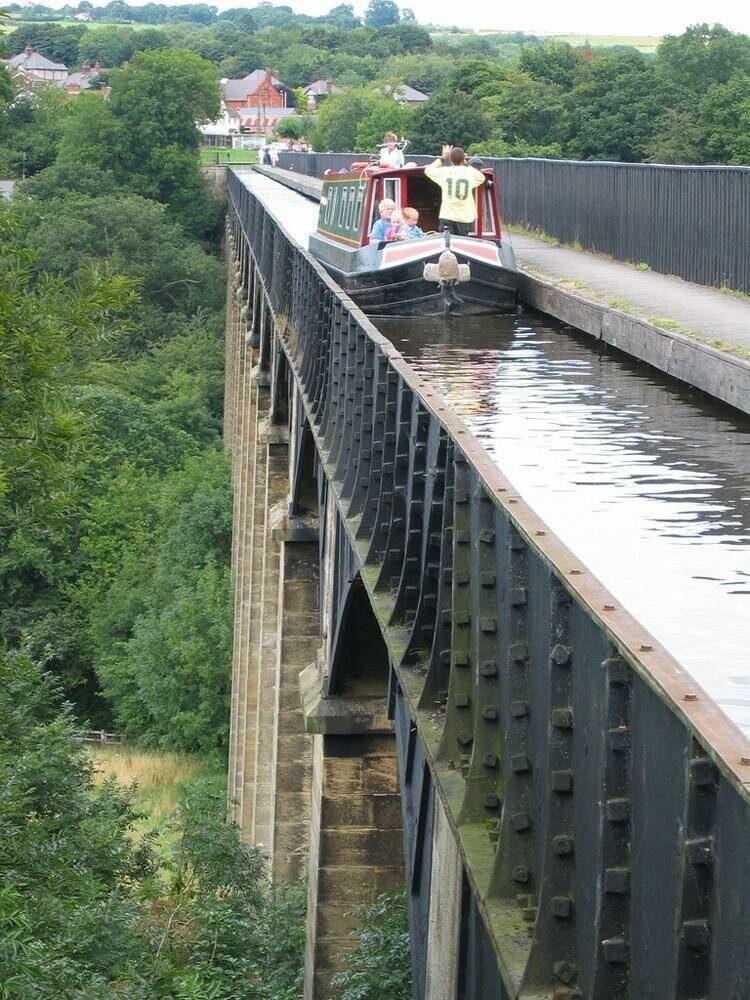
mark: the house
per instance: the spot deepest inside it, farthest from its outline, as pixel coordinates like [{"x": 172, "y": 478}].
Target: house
[
  {"x": 219, "y": 133},
  {"x": 77, "y": 82},
  {"x": 258, "y": 89},
  {"x": 409, "y": 95},
  {"x": 318, "y": 90},
  {"x": 404, "y": 94},
  {"x": 31, "y": 67}
]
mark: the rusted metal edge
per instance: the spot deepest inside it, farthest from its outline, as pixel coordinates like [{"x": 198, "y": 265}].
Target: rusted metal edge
[{"x": 723, "y": 741}]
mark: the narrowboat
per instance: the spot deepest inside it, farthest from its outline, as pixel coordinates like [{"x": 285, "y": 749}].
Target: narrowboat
[{"x": 431, "y": 274}]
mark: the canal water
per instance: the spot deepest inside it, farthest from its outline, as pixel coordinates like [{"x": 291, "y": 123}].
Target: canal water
[{"x": 646, "y": 481}]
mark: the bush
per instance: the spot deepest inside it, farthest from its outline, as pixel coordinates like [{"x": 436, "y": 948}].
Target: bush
[{"x": 380, "y": 963}]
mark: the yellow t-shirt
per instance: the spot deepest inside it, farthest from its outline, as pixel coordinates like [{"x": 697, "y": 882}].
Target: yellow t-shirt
[{"x": 457, "y": 184}]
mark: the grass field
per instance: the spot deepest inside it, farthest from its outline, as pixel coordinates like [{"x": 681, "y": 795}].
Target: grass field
[
  {"x": 213, "y": 156},
  {"x": 157, "y": 777},
  {"x": 644, "y": 43},
  {"x": 18, "y": 22}
]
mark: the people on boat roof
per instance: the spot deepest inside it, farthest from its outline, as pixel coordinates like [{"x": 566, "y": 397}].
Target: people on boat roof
[
  {"x": 390, "y": 154},
  {"x": 457, "y": 181},
  {"x": 386, "y": 207},
  {"x": 411, "y": 221}
]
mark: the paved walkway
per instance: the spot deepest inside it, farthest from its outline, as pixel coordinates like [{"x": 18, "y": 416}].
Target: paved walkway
[{"x": 704, "y": 312}]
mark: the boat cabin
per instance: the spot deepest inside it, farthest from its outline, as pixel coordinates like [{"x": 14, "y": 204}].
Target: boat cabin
[{"x": 349, "y": 202}]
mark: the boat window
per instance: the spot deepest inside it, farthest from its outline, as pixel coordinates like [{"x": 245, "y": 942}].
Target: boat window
[
  {"x": 331, "y": 204},
  {"x": 342, "y": 207},
  {"x": 358, "y": 205},
  {"x": 350, "y": 195},
  {"x": 488, "y": 219},
  {"x": 392, "y": 189}
]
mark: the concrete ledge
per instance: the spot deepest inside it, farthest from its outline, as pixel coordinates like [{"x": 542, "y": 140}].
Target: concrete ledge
[
  {"x": 340, "y": 716},
  {"x": 713, "y": 371},
  {"x": 308, "y": 186}
]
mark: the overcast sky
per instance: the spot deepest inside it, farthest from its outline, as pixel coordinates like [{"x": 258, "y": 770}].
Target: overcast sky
[
  {"x": 588, "y": 17},
  {"x": 577, "y": 17}
]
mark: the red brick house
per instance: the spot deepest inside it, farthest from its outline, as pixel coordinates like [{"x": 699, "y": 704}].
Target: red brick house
[{"x": 259, "y": 89}]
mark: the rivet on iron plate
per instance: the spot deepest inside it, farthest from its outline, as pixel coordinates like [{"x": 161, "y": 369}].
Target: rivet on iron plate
[
  {"x": 744, "y": 760},
  {"x": 541, "y": 532},
  {"x": 690, "y": 696},
  {"x": 645, "y": 648},
  {"x": 609, "y": 607}
]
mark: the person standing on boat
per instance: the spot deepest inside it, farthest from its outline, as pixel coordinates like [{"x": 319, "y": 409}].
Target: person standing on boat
[
  {"x": 390, "y": 154},
  {"x": 457, "y": 182}
]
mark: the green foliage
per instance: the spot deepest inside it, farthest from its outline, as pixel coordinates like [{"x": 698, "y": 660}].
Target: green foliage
[
  {"x": 145, "y": 135},
  {"x": 157, "y": 592},
  {"x": 67, "y": 865},
  {"x": 30, "y": 130},
  {"x": 380, "y": 13},
  {"x": 58, "y": 43},
  {"x": 702, "y": 57},
  {"x": 454, "y": 118},
  {"x": 527, "y": 111},
  {"x": 6, "y": 88},
  {"x": 85, "y": 911},
  {"x": 725, "y": 117},
  {"x": 614, "y": 106},
  {"x": 553, "y": 62},
  {"x": 112, "y": 45},
  {"x": 379, "y": 964}
]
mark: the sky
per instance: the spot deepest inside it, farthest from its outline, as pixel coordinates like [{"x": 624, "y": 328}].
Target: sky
[
  {"x": 551, "y": 17},
  {"x": 588, "y": 17}
]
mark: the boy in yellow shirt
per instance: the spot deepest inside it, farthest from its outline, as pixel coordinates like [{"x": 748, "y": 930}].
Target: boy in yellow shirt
[{"x": 457, "y": 182}]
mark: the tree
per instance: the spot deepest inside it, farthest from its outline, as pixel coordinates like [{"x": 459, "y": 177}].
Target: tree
[
  {"x": 293, "y": 127},
  {"x": 337, "y": 121},
  {"x": 30, "y": 130},
  {"x": 6, "y": 88},
  {"x": 725, "y": 117},
  {"x": 380, "y": 13},
  {"x": 679, "y": 137},
  {"x": 112, "y": 45},
  {"x": 407, "y": 38},
  {"x": 702, "y": 57},
  {"x": 147, "y": 134},
  {"x": 554, "y": 62},
  {"x": 342, "y": 16},
  {"x": 448, "y": 117},
  {"x": 385, "y": 115},
  {"x": 528, "y": 111},
  {"x": 53, "y": 41},
  {"x": 614, "y": 107}
]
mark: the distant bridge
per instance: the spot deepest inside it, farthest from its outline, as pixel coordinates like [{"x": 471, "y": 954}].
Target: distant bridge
[{"x": 429, "y": 688}]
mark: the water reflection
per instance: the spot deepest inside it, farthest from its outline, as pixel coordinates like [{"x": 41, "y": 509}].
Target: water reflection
[{"x": 646, "y": 481}]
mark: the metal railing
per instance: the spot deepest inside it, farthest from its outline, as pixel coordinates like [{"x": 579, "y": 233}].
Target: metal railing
[
  {"x": 600, "y": 800},
  {"x": 690, "y": 221}
]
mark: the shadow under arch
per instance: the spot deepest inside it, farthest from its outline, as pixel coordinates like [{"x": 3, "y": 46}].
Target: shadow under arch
[{"x": 360, "y": 664}]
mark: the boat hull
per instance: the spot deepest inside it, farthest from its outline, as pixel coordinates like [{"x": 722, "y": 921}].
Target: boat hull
[{"x": 382, "y": 284}]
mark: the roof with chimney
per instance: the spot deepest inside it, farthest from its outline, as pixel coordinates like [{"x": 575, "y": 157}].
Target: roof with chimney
[
  {"x": 238, "y": 89},
  {"x": 322, "y": 88},
  {"x": 31, "y": 60}
]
